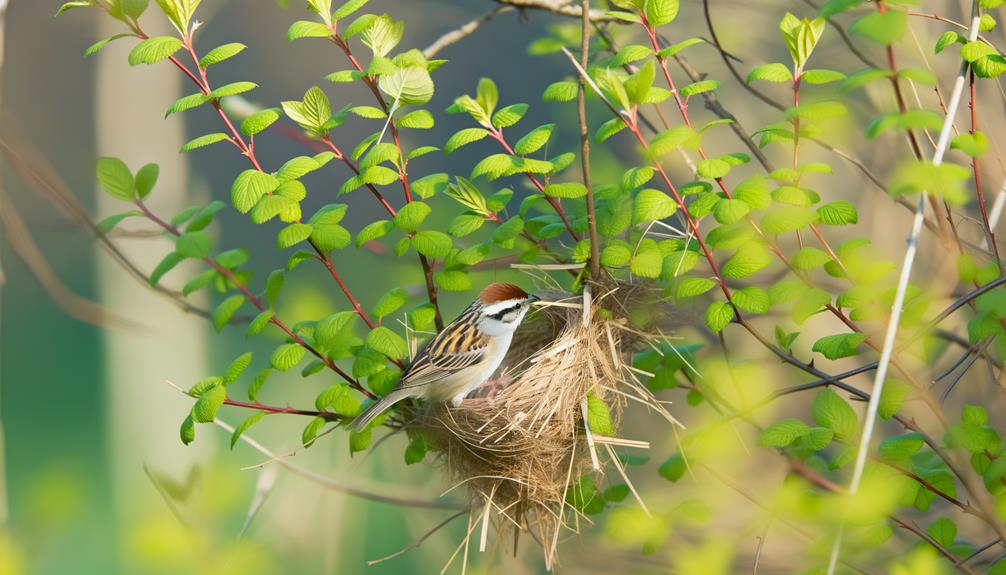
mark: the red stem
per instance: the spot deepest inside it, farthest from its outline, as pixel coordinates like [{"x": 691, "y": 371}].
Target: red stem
[
  {"x": 328, "y": 415},
  {"x": 255, "y": 301},
  {"x": 989, "y": 233},
  {"x": 497, "y": 134}
]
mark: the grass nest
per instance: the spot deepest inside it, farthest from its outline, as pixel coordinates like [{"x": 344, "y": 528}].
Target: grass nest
[{"x": 520, "y": 449}]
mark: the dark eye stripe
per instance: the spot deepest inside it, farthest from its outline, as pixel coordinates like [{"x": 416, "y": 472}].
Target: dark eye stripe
[{"x": 499, "y": 315}]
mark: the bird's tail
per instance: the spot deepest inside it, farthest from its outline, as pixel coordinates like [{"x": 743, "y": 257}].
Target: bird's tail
[{"x": 378, "y": 408}]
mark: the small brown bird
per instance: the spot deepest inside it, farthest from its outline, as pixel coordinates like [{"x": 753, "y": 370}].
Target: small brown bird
[{"x": 464, "y": 355}]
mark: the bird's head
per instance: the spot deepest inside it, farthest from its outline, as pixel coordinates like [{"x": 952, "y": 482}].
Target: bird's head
[{"x": 502, "y": 307}]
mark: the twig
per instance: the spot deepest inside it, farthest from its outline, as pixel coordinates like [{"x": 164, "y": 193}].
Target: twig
[
  {"x": 18, "y": 236},
  {"x": 462, "y": 32},
  {"x": 332, "y": 484},
  {"x": 420, "y": 541},
  {"x": 560, "y": 7},
  {"x": 595, "y": 250},
  {"x": 890, "y": 336}
]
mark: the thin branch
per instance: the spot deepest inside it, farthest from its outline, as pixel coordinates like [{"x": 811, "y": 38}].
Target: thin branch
[
  {"x": 581, "y": 103},
  {"x": 334, "y": 485},
  {"x": 886, "y": 354},
  {"x": 462, "y": 32},
  {"x": 561, "y": 7}
]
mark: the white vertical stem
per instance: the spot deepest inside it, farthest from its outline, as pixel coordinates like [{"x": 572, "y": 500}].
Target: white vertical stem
[
  {"x": 899, "y": 298},
  {"x": 143, "y": 414}
]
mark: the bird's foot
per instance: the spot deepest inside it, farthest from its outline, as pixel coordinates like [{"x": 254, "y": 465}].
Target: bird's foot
[{"x": 491, "y": 387}]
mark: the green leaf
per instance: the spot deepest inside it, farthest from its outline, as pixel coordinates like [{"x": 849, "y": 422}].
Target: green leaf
[
  {"x": 599, "y": 416},
  {"x": 154, "y": 50},
  {"x": 237, "y": 367},
  {"x": 411, "y": 216},
  {"x": 892, "y": 397},
  {"x": 566, "y": 190},
  {"x": 881, "y": 27},
  {"x": 821, "y": 76},
  {"x": 752, "y": 299},
  {"x": 534, "y": 140},
  {"x": 691, "y": 287},
  {"x": 390, "y": 302},
  {"x": 116, "y": 179},
  {"x": 221, "y": 53},
  {"x": 838, "y": 213},
  {"x": 373, "y": 231},
  {"x": 108, "y": 224},
  {"x": 233, "y": 89},
  {"x": 947, "y": 38},
  {"x": 249, "y": 187},
  {"x": 674, "y": 468},
  {"x": 245, "y": 426},
  {"x": 836, "y": 414},
  {"x": 901, "y": 448},
  {"x": 718, "y": 315},
  {"x": 307, "y": 29},
  {"x": 292, "y": 235},
  {"x": 167, "y": 264},
  {"x": 453, "y": 280},
  {"x": 787, "y": 219},
  {"x": 146, "y": 179},
  {"x": 312, "y": 430},
  {"x": 205, "y": 409},
  {"x": 416, "y": 451},
  {"x": 187, "y": 432},
  {"x": 974, "y": 145},
  {"x": 417, "y": 119},
  {"x": 388, "y": 342},
  {"x": 651, "y": 204},
  {"x": 699, "y": 87},
  {"x": 839, "y": 346},
  {"x": 463, "y": 138},
  {"x": 259, "y": 121},
  {"x": 410, "y": 86},
  {"x": 748, "y": 259},
  {"x": 203, "y": 141},
  {"x": 194, "y": 245},
  {"x": 783, "y": 433},
  {"x": 326, "y": 233},
  {"x": 713, "y": 168},
  {"x": 509, "y": 115},
  {"x": 608, "y": 129},
  {"x": 728, "y": 211},
  {"x": 432, "y": 244},
  {"x": 660, "y": 12},
  {"x": 287, "y": 356},
  {"x": 943, "y": 530},
  {"x": 340, "y": 399},
  {"x": 810, "y": 258},
  {"x": 187, "y": 103},
  {"x": 560, "y": 91},
  {"x": 774, "y": 72},
  {"x": 225, "y": 311}
]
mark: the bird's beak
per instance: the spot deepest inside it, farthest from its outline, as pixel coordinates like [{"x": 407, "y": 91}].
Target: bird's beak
[{"x": 532, "y": 298}]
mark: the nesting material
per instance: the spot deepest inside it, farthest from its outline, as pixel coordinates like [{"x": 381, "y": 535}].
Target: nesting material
[{"x": 518, "y": 451}]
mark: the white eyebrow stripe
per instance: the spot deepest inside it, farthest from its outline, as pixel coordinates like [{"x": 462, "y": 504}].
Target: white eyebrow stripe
[{"x": 495, "y": 308}]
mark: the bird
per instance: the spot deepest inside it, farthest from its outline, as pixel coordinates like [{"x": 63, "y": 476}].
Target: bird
[{"x": 464, "y": 355}]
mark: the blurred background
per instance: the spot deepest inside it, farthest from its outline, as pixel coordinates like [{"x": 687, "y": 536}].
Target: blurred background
[{"x": 94, "y": 477}]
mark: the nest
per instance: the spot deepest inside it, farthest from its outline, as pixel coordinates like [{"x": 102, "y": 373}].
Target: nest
[{"x": 519, "y": 451}]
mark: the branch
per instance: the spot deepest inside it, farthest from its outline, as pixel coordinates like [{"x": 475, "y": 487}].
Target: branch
[
  {"x": 561, "y": 7},
  {"x": 890, "y": 336},
  {"x": 334, "y": 485},
  {"x": 255, "y": 301},
  {"x": 466, "y": 30},
  {"x": 581, "y": 107}
]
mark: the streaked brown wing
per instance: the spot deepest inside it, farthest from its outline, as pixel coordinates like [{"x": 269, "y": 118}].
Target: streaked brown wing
[{"x": 457, "y": 347}]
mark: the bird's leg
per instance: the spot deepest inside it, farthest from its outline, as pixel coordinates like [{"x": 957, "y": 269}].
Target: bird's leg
[{"x": 493, "y": 386}]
